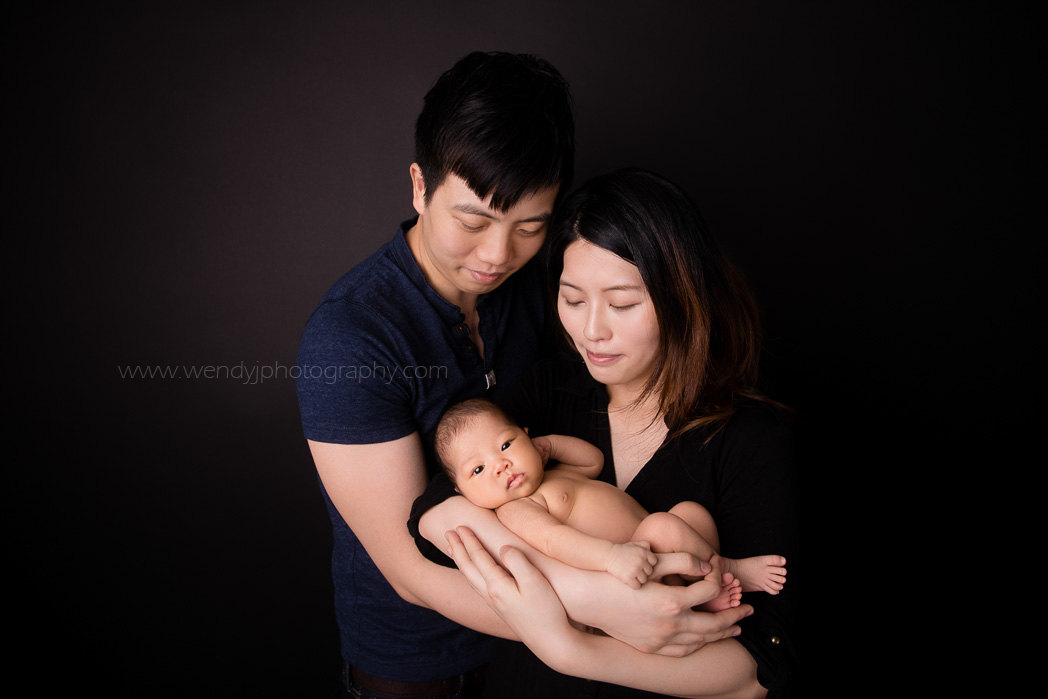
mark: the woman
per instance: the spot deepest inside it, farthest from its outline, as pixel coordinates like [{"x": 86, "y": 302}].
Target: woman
[{"x": 665, "y": 350}]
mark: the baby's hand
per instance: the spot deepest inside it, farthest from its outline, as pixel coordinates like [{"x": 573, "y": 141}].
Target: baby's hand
[
  {"x": 631, "y": 563},
  {"x": 543, "y": 446}
]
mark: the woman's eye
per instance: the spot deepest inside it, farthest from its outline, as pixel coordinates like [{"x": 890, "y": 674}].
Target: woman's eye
[
  {"x": 478, "y": 469},
  {"x": 569, "y": 302},
  {"x": 625, "y": 307}
]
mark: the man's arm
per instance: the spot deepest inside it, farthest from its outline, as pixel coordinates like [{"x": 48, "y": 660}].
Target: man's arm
[{"x": 372, "y": 486}]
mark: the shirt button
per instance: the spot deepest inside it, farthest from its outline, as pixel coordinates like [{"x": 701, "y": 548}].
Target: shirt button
[{"x": 462, "y": 329}]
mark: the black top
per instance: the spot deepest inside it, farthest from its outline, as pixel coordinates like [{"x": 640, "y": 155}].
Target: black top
[{"x": 745, "y": 476}]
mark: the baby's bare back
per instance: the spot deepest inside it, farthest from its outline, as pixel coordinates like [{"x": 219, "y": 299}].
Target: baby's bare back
[{"x": 594, "y": 507}]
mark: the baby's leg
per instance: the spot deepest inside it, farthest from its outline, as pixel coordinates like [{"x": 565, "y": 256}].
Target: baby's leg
[
  {"x": 668, "y": 532},
  {"x": 758, "y": 573}
]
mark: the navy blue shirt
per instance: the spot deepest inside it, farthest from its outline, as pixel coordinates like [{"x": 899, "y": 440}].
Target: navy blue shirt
[{"x": 381, "y": 357}]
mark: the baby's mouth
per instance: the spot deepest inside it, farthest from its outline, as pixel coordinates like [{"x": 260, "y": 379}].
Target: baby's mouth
[{"x": 514, "y": 480}]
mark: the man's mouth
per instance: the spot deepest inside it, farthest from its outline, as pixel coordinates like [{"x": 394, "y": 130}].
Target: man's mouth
[{"x": 484, "y": 277}]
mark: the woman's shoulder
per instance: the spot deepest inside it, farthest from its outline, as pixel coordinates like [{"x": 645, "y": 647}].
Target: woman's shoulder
[
  {"x": 755, "y": 416},
  {"x": 756, "y": 427}
]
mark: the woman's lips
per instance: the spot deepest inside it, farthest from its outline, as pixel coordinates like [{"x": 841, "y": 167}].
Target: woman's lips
[{"x": 601, "y": 359}]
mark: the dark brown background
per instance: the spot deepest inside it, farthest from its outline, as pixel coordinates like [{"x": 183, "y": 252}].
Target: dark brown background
[{"x": 182, "y": 183}]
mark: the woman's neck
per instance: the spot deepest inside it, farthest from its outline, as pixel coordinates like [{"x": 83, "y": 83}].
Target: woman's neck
[
  {"x": 637, "y": 431},
  {"x": 631, "y": 399}
]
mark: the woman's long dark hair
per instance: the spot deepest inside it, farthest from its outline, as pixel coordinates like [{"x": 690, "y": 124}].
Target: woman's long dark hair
[{"x": 709, "y": 328}]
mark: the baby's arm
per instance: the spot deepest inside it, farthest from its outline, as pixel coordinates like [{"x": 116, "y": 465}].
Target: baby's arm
[
  {"x": 573, "y": 453},
  {"x": 631, "y": 563}
]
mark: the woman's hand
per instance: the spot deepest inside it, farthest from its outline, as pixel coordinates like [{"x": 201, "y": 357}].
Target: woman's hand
[
  {"x": 521, "y": 596},
  {"x": 661, "y": 618}
]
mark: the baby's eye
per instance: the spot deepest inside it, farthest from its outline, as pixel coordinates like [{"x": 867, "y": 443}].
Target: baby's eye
[
  {"x": 506, "y": 446},
  {"x": 477, "y": 470}
]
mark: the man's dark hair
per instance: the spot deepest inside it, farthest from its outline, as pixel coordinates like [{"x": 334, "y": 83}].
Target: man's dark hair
[{"x": 502, "y": 122}]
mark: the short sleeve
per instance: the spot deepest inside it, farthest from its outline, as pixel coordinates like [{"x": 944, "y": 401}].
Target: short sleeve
[
  {"x": 439, "y": 489},
  {"x": 347, "y": 393}
]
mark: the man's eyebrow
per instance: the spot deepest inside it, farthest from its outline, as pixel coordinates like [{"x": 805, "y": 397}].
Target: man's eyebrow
[
  {"x": 468, "y": 208},
  {"x": 474, "y": 210}
]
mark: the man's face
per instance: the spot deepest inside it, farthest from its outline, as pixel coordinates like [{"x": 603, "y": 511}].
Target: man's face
[
  {"x": 466, "y": 248},
  {"x": 494, "y": 462}
]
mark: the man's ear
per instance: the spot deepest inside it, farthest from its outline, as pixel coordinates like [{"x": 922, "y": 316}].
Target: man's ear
[{"x": 418, "y": 188}]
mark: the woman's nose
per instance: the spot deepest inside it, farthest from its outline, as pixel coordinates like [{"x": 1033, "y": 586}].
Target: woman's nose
[{"x": 596, "y": 328}]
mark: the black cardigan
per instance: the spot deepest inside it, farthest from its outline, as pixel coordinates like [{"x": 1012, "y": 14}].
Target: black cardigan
[{"x": 745, "y": 476}]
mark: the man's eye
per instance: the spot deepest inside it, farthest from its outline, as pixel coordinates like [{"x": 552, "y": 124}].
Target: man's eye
[
  {"x": 478, "y": 469},
  {"x": 471, "y": 229}
]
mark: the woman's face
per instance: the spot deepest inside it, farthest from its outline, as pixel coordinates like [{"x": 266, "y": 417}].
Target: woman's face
[{"x": 606, "y": 309}]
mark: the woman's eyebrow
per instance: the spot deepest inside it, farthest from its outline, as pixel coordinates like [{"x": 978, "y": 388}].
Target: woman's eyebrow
[{"x": 615, "y": 287}]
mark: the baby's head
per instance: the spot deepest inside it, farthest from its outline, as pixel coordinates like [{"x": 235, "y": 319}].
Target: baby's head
[{"x": 488, "y": 457}]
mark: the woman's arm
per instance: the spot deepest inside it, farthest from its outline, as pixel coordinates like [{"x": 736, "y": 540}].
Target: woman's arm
[
  {"x": 525, "y": 600},
  {"x": 655, "y": 619}
]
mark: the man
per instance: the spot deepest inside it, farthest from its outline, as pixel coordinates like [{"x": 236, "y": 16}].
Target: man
[{"x": 451, "y": 308}]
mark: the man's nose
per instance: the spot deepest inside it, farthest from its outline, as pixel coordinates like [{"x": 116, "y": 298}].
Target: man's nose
[{"x": 496, "y": 247}]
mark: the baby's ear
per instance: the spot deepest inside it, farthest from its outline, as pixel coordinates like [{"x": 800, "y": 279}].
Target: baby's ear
[{"x": 526, "y": 431}]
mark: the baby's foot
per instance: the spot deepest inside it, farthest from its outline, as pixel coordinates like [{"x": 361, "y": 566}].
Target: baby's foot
[
  {"x": 730, "y": 595},
  {"x": 759, "y": 573}
]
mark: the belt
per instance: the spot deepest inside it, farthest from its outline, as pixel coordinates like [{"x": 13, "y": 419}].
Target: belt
[{"x": 397, "y": 688}]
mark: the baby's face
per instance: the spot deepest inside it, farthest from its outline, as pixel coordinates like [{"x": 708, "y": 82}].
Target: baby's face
[{"x": 494, "y": 462}]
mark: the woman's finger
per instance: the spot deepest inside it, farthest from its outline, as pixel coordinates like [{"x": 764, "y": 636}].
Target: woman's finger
[
  {"x": 464, "y": 562},
  {"x": 521, "y": 568},
  {"x": 483, "y": 572},
  {"x": 680, "y": 563}
]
